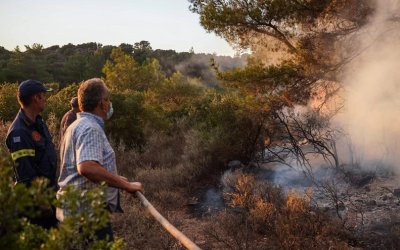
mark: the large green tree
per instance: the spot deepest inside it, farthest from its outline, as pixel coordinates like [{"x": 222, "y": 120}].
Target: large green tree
[
  {"x": 142, "y": 51},
  {"x": 308, "y": 30},
  {"x": 120, "y": 71},
  {"x": 297, "y": 46},
  {"x": 123, "y": 72}
]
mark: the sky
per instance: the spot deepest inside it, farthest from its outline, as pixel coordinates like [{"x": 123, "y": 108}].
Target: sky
[{"x": 166, "y": 24}]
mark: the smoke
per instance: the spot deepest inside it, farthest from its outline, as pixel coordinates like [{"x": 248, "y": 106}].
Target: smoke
[
  {"x": 199, "y": 66},
  {"x": 372, "y": 91}
]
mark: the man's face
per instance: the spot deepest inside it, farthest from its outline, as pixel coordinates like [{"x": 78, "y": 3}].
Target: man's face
[
  {"x": 40, "y": 100},
  {"x": 106, "y": 102}
]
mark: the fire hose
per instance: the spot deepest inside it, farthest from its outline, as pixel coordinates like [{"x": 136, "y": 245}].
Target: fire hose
[{"x": 166, "y": 224}]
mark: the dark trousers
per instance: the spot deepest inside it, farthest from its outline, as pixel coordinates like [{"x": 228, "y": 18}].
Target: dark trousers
[
  {"x": 105, "y": 232},
  {"x": 47, "y": 218}
]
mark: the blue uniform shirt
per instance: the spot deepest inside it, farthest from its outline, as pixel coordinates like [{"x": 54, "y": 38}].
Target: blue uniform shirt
[{"x": 32, "y": 149}]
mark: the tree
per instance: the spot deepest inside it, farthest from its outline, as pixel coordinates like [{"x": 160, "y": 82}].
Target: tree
[
  {"x": 123, "y": 72},
  {"x": 74, "y": 68},
  {"x": 120, "y": 71},
  {"x": 235, "y": 20},
  {"x": 126, "y": 48},
  {"x": 306, "y": 29},
  {"x": 128, "y": 120},
  {"x": 306, "y": 35},
  {"x": 4, "y": 57},
  {"x": 169, "y": 59},
  {"x": 142, "y": 51},
  {"x": 31, "y": 64}
]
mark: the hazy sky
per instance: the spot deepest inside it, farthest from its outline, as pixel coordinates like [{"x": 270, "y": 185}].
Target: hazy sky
[{"x": 166, "y": 24}]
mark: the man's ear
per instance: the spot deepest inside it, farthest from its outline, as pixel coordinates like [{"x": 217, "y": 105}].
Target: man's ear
[
  {"x": 103, "y": 104},
  {"x": 36, "y": 97}
]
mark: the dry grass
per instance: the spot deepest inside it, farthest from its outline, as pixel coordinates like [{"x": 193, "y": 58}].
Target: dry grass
[
  {"x": 166, "y": 173},
  {"x": 166, "y": 165},
  {"x": 3, "y": 133},
  {"x": 261, "y": 217},
  {"x": 138, "y": 229},
  {"x": 54, "y": 124}
]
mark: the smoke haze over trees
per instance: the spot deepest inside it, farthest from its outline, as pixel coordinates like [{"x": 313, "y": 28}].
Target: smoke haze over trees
[{"x": 75, "y": 63}]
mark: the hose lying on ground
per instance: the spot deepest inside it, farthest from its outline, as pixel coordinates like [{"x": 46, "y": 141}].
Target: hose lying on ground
[{"x": 166, "y": 224}]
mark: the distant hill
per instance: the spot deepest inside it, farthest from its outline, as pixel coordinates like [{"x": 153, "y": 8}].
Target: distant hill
[{"x": 73, "y": 63}]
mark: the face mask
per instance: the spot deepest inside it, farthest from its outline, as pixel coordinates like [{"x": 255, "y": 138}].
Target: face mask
[{"x": 110, "y": 111}]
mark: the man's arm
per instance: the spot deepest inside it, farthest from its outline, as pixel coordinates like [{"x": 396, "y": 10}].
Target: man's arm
[{"x": 96, "y": 173}]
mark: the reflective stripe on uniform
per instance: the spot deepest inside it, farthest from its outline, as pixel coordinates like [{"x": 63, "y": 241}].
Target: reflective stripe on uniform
[{"x": 22, "y": 153}]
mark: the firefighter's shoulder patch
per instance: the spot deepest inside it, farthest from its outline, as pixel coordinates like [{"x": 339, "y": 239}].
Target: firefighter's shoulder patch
[{"x": 35, "y": 136}]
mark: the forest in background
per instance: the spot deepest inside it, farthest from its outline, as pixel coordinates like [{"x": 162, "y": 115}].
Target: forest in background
[{"x": 74, "y": 63}]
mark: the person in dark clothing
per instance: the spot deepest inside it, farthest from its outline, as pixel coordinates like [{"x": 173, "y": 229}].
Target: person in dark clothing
[
  {"x": 69, "y": 117},
  {"x": 30, "y": 144}
]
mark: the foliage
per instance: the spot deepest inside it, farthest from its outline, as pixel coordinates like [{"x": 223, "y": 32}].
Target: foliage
[
  {"x": 230, "y": 126},
  {"x": 169, "y": 59},
  {"x": 4, "y": 58},
  {"x": 142, "y": 51},
  {"x": 123, "y": 72},
  {"x": 120, "y": 71},
  {"x": 3, "y": 133},
  {"x": 86, "y": 215},
  {"x": 174, "y": 96},
  {"x": 278, "y": 86},
  {"x": 18, "y": 202},
  {"x": 75, "y": 63},
  {"x": 240, "y": 21},
  {"x": 58, "y": 103},
  {"x": 9, "y": 105},
  {"x": 309, "y": 37},
  {"x": 30, "y": 64},
  {"x": 128, "y": 120}
]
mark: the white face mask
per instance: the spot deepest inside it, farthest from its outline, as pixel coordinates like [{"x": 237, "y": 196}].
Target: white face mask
[{"x": 110, "y": 111}]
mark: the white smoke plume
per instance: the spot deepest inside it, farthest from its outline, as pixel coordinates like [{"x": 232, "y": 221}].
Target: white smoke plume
[{"x": 372, "y": 91}]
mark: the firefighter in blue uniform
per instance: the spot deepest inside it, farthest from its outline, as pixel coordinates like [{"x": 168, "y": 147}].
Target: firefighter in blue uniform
[{"x": 30, "y": 144}]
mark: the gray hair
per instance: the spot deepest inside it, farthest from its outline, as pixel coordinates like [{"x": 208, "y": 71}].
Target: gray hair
[{"x": 90, "y": 94}]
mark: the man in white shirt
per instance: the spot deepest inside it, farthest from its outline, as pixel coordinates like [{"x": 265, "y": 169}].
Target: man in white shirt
[{"x": 86, "y": 155}]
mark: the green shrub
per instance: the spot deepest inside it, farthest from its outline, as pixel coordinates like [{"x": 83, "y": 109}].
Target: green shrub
[
  {"x": 8, "y": 101},
  {"x": 171, "y": 101},
  {"x": 127, "y": 122},
  {"x": 58, "y": 102},
  {"x": 17, "y": 202},
  {"x": 229, "y": 128}
]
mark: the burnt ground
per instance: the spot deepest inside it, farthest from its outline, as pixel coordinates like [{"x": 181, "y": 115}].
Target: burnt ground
[
  {"x": 368, "y": 204},
  {"x": 372, "y": 211}
]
